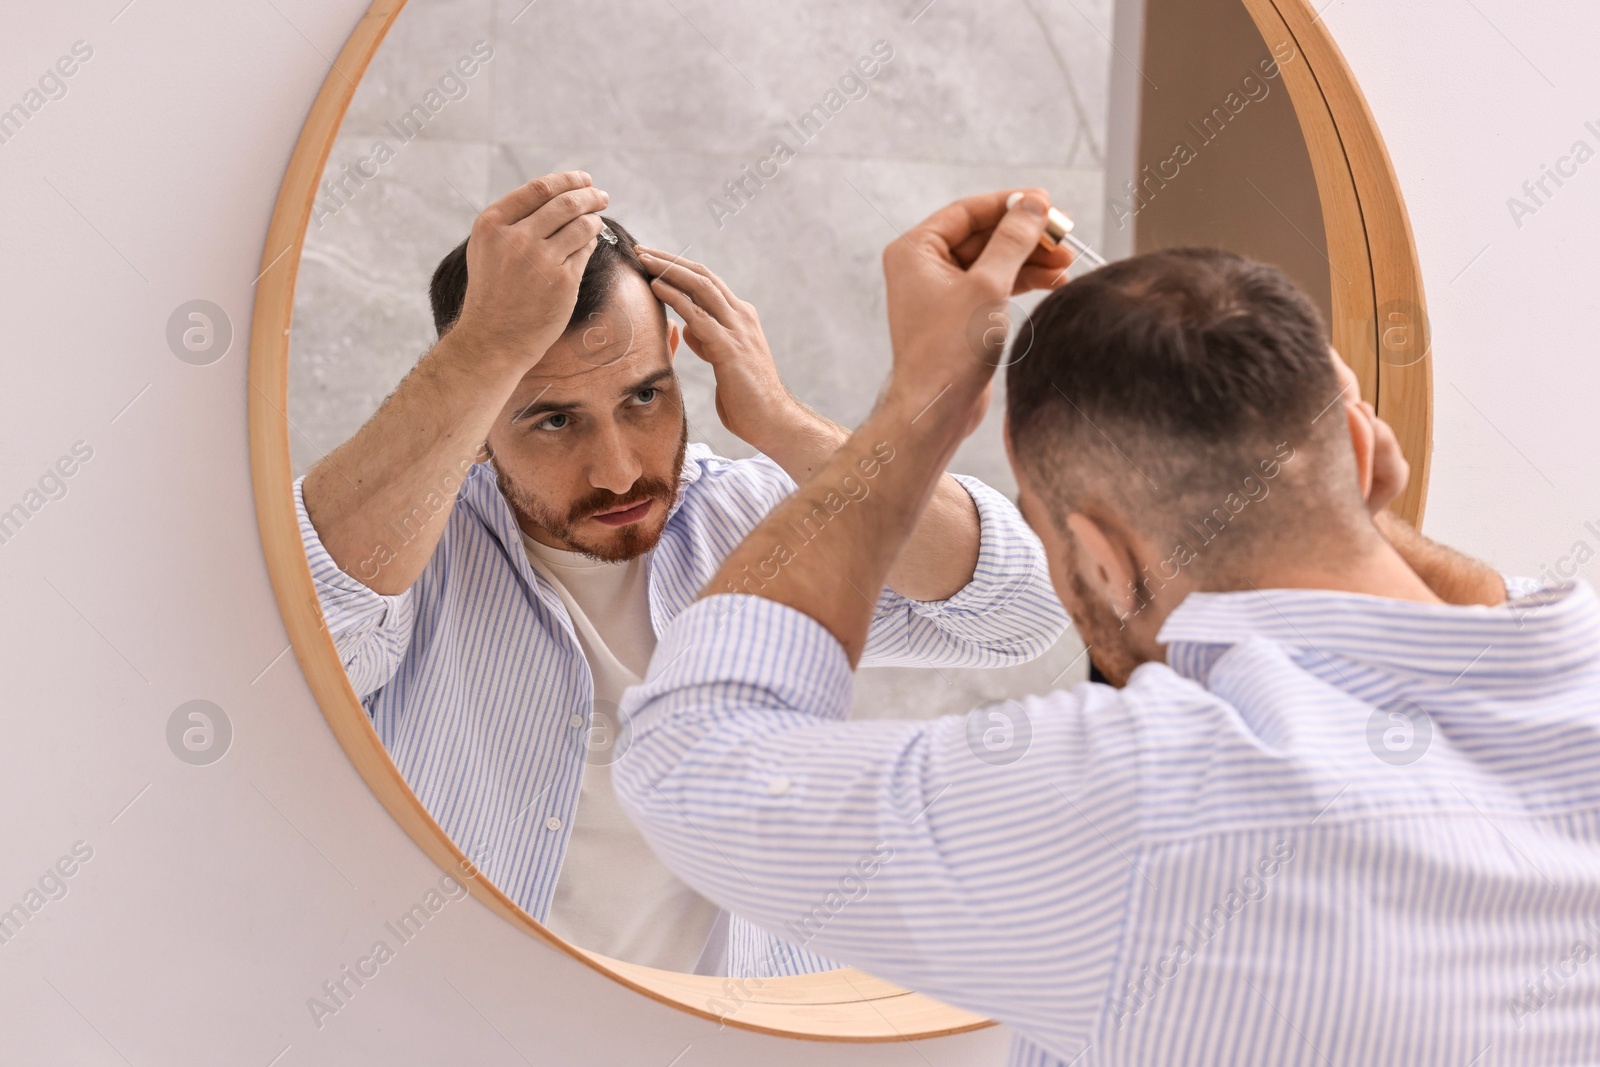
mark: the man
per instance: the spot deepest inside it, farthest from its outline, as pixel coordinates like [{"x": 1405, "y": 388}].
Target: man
[
  {"x": 1345, "y": 806},
  {"x": 490, "y": 614}
]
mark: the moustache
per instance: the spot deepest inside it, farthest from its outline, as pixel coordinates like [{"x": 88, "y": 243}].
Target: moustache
[{"x": 605, "y": 500}]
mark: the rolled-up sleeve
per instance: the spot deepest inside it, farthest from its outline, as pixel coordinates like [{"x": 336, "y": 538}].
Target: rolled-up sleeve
[
  {"x": 370, "y": 630},
  {"x": 1007, "y": 614},
  {"x": 893, "y": 846}
]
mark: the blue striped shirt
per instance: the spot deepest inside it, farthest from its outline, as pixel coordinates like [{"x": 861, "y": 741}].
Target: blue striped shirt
[
  {"x": 1330, "y": 829},
  {"x": 478, "y": 687}
]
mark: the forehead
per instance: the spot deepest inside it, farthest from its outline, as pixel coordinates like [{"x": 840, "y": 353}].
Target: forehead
[{"x": 623, "y": 342}]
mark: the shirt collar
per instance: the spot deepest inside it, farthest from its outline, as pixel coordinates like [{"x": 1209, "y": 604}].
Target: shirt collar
[
  {"x": 693, "y": 466},
  {"x": 1550, "y": 631}
]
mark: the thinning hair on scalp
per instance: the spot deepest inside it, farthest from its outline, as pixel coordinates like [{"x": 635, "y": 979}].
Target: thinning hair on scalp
[
  {"x": 1160, "y": 382},
  {"x": 448, "y": 289}
]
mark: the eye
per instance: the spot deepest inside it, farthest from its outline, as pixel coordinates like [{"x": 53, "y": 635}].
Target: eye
[
  {"x": 556, "y": 421},
  {"x": 645, "y": 396}
]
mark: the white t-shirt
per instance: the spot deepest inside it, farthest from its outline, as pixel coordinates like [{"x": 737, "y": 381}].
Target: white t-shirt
[{"x": 613, "y": 896}]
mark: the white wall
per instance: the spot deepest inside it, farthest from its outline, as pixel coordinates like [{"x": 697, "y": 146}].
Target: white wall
[
  {"x": 219, "y": 897},
  {"x": 1472, "y": 99}
]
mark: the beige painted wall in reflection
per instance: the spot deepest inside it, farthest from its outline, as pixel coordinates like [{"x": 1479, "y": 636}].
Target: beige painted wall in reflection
[
  {"x": 1222, "y": 160},
  {"x": 665, "y": 103}
]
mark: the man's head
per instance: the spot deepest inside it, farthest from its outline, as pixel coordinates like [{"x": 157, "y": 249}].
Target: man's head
[
  {"x": 590, "y": 447},
  {"x": 1165, "y": 425}
]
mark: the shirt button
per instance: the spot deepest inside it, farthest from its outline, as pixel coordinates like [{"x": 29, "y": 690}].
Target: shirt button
[
  {"x": 778, "y": 786},
  {"x": 575, "y": 722},
  {"x": 552, "y": 823}
]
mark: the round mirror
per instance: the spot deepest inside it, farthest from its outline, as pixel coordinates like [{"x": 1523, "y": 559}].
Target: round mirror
[{"x": 782, "y": 148}]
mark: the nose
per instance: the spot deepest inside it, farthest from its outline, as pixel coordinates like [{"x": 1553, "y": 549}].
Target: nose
[{"x": 615, "y": 465}]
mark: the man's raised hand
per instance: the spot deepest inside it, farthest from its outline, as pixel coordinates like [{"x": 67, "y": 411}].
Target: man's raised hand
[
  {"x": 725, "y": 331},
  {"x": 952, "y": 270},
  {"x": 525, "y": 259},
  {"x": 1385, "y": 476}
]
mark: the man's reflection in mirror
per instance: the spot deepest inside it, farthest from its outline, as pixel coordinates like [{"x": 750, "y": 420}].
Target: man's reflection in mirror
[{"x": 497, "y": 548}]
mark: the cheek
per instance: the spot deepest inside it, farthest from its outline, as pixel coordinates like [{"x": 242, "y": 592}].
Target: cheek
[
  {"x": 1073, "y": 587},
  {"x": 537, "y": 465},
  {"x": 1074, "y": 596},
  {"x": 658, "y": 431}
]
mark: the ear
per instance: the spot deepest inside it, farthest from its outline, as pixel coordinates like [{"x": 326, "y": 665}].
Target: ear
[
  {"x": 1363, "y": 440},
  {"x": 1362, "y": 433},
  {"x": 673, "y": 337},
  {"x": 1107, "y": 567}
]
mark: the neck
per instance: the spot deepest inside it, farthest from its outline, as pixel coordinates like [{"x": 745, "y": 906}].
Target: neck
[
  {"x": 1355, "y": 558},
  {"x": 1365, "y": 563}
]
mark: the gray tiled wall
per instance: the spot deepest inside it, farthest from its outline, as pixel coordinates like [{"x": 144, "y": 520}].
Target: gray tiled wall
[{"x": 664, "y": 101}]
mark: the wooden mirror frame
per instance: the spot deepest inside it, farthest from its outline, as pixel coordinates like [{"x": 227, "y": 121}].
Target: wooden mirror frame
[{"x": 1368, "y": 241}]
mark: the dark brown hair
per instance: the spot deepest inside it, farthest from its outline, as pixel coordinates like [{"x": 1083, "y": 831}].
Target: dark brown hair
[
  {"x": 1188, "y": 365},
  {"x": 448, "y": 290}
]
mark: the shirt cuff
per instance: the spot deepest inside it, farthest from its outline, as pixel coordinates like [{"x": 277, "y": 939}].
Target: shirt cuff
[
  {"x": 1009, "y": 557},
  {"x": 733, "y": 652},
  {"x": 344, "y": 600},
  {"x": 1517, "y": 588}
]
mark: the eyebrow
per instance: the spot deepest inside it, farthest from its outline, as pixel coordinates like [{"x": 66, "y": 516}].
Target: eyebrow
[{"x": 534, "y": 407}]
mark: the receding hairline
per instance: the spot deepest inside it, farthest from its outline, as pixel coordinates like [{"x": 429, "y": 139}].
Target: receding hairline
[{"x": 447, "y": 286}]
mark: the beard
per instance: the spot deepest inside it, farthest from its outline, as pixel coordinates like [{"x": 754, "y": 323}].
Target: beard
[
  {"x": 627, "y": 542},
  {"x": 1100, "y": 627}
]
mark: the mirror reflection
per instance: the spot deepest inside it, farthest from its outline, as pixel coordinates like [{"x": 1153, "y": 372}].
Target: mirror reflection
[{"x": 587, "y": 290}]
